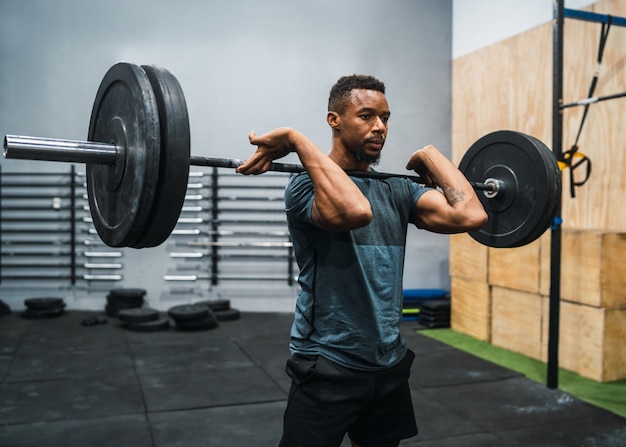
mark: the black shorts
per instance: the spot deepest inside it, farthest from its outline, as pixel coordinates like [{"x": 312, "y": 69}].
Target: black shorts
[{"x": 327, "y": 400}]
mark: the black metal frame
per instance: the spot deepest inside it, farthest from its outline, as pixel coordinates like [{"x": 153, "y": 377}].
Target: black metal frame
[{"x": 559, "y": 14}]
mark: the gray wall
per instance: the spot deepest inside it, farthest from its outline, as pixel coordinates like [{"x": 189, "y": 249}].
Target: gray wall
[{"x": 244, "y": 65}]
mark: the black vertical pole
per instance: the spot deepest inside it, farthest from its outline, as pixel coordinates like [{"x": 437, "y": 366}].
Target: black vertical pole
[
  {"x": 555, "y": 241},
  {"x": 214, "y": 226},
  {"x": 73, "y": 224},
  {"x": 0, "y": 223}
]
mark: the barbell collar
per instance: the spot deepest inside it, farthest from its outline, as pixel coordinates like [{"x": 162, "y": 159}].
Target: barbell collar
[{"x": 497, "y": 187}]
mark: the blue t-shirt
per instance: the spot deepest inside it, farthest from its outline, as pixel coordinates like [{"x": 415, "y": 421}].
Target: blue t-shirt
[{"x": 349, "y": 308}]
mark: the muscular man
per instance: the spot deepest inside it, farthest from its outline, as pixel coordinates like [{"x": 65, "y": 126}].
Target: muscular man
[{"x": 349, "y": 364}]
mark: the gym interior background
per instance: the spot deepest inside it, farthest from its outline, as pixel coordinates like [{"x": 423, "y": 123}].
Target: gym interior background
[
  {"x": 255, "y": 66},
  {"x": 243, "y": 66}
]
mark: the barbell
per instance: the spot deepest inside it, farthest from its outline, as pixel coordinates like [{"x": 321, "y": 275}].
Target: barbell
[{"x": 138, "y": 156}]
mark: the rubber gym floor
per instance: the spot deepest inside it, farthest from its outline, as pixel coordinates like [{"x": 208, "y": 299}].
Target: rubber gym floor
[{"x": 65, "y": 384}]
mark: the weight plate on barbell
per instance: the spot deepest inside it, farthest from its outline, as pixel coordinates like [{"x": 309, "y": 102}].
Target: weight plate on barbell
[
  {"x": 125, "y": 114},
  {"x": 174, "y": 158},
  {"x": 528, "y": 202}
]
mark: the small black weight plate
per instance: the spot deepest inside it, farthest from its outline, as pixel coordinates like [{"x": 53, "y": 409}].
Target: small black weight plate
[
  {"x": 532, "y": 186},
  {"x": 44, "y": 303},
  {"x": 436, "y": 305},
  {"x": 43, "y": 313},
  {"x": 151, "y": 326},
  {"x": 5, "y": 309},
  {"x": 227, "y": 315},
  {"x": 121, "y": 196},
  {"x": 197, "y": 324},
  {"x": 189, "y": 312},
  {"x": 138, "y": 315},
  {"x": 174, "y": 158},
  {"x": 216, "y": 304},
  {"x": 112, "y": 311},
  {"x": 127, "y": 292},
  {"x": 125, "y": 302}
]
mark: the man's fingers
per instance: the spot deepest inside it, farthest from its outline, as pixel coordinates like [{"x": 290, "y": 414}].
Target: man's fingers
[{"x": 252, "y": 137}]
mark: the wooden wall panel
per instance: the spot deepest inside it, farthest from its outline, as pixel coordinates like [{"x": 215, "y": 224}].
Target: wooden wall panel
[
  {"x": 508, "y": 85},
  {"x": 516, "y": 268},
  {"x": 471, "y": 308},
  {"x": 517, "y": 321},
  {"x": 468, "y": 258}
]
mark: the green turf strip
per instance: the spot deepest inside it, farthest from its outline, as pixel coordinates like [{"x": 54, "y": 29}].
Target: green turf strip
[{"x": 610, "y": 396}]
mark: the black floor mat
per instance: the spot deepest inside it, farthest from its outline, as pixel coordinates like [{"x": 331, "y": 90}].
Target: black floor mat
[{"x": 66, "y": 384}]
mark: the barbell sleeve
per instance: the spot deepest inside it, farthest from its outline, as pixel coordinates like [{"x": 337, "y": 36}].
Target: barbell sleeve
[
  {"x": 50, "y": 149},
  {"x": 89, "y": 152}
]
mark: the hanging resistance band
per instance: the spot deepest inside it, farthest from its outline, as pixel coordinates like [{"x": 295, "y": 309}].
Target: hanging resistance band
[{"x": 568, "y": 156}]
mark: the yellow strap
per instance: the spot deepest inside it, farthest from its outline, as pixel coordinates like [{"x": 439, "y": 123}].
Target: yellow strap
[{"x": 567, "y": 164}]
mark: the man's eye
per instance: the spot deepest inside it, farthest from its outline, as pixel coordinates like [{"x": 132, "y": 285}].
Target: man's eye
[{"x": 365, "y": 116}]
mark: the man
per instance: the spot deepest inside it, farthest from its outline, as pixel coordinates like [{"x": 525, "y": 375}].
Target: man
[{"x": 349, "y": 364}]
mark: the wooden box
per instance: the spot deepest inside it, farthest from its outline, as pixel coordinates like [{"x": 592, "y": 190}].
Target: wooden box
[
  {"x": 468, "y": 258},
  {"x": 516, "y": 268},
  {"x": 471, "y": 308},
  {"x": 591, "y": 340},
  {"x": 516, "y": 321},
  {"x": 593, "y": 268}
]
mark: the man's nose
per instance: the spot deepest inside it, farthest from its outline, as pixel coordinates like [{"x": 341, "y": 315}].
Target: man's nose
[{"x": 379, "y": 125}]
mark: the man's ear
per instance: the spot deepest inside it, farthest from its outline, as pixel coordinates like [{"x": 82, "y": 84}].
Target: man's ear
[{"x": 333, "y": 120}]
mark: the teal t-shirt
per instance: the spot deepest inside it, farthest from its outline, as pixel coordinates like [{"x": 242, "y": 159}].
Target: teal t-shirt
[{"x": 349, "y": 308}]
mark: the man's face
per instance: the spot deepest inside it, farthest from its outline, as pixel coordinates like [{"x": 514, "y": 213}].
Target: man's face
[{"x": 363, "y": 125}]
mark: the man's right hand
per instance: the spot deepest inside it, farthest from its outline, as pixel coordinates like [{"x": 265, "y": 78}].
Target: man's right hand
[{"x": 270, "y": 146}]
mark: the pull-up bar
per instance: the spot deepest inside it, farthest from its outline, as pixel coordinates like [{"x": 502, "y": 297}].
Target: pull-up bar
[{"x": 593, "y": 17}]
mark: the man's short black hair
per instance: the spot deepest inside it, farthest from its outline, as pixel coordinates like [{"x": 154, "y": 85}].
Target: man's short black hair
[{"x": 340, "y": 92}]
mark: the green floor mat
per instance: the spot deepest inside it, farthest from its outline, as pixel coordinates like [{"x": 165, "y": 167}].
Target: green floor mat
[{"x": 610, "y": 396}]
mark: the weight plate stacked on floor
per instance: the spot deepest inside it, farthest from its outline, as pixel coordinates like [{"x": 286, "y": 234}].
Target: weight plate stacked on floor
[
  {"x": 192, "y": 317},
  {"x": 123, "y": 298},
  {"x": 144, "y": 319},
  {"x": 221, "y": 309},
  {"x": 227, "y": 314},
  {"x": 435, "y": 314},
  {"x": 43, "y": 308}
]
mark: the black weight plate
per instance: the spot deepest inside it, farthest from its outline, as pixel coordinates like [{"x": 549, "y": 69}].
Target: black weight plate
[
  {"x": 553, "y": 194},
  {"x": 124, "y": 113},
  {"x": 174, "y": 158},
  {"x": 197, "y": 324},
  {"x": 127, "y": 292},
  {"x": 43, "y": 313},
  {"x": 227, "y": 315},
  {"x": 151, "y": 326},
  {"x": 112, "y": 311},
  {"x": 124, "y": 302},
  {"x": 189, "y": 312},
  {"x": 526, "y": 207},
  {"x": 138, "y": 315},
  {"x": 44, "y": 303},
  {"x": 216, "y": 304}
]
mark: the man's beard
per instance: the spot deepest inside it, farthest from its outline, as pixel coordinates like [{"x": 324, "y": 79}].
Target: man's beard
[{"x": 371, "y": 159}]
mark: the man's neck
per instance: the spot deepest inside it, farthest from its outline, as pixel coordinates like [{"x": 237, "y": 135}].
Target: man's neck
[{"x": 346, "y": 160}]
